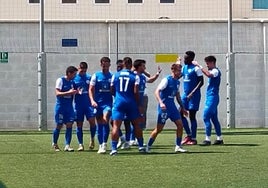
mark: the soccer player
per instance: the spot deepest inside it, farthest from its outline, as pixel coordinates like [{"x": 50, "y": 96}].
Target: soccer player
[
  {"x": 124, "y": 86},
  {"x": 83, "y": 106},
  {"x": 102, "y": 99},
  {"x": 212, "y": 100},
  {"x": 139, "y": 69},
  {"x": 167, "y": 90},
  {"x": 64, "y": 112},
  {"x": 192, "y": 82}
]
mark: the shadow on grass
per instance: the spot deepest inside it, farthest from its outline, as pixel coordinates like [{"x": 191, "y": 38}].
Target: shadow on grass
[
  {"x": 246, "y": 133},
  {"x": 234, "y": 144},
  {"x": 2, "y": 185}
]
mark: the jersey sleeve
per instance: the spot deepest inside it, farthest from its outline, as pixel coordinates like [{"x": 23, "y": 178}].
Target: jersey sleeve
[
  {"x": 163, "y": 84},
  {"x": 112, "y": 80},
  {"x": 214, "y": 72},
  {"x": 59, "y": 83},
  {"x": 93, "y": 80},
  {"x": 137, "y": 80},
  {"x": 198, "y": 71}
]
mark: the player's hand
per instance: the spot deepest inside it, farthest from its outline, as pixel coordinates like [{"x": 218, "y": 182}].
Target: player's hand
[
  {"x": 94, "y": 104},
  {"x": 72, "y": 91},
  {"x": 195, "y": 63},
  {"x": 184, "y": 112},
  {"x": 163, "y": 106},
  {"x": 159, "y": 69}
]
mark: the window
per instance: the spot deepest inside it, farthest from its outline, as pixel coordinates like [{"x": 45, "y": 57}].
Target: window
[
  {"x": 68, "y": 1},
  {"x": 260, "y": 4},
  {"x": 102, "y": 1},
  {"x": 69, "y": 43},
  {"x": 34, "y": 1},
  {"x": 167, "y": 1},
  {"x": 135, "y": 1}
]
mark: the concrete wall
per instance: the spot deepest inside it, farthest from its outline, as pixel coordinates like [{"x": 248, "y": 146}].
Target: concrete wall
[{"x": 18, "y": 77}]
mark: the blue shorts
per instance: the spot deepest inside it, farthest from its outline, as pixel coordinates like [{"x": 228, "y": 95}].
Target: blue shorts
[
  {"x": 82, "y": 111},
  {"x": 64, "y": 114},
  {"x": 122, "y": 110},
  {"x": 171, "y": 112},
  {"x": 103, "y": 109},
  {"x": 193, "y": 103}
]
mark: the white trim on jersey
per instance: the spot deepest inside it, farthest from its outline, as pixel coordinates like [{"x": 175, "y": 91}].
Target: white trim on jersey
[
  {"x": 214, "y": 72},
  {"x": 93, "y": 80},
  {"x": 59, "y": 83},
  {"x": 198, "y": 71}
]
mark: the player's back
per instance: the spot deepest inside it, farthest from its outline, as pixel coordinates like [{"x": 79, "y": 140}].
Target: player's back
[
  {"x": 168, "y": 94},
  {"x": 214, "y": 85},
  {"x": 124, "y": 83}
]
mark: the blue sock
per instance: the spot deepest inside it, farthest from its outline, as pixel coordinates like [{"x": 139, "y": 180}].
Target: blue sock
[
  {"x": 106, "y": 133},
  {"x": 193, "y": 127},
  {"x": 93, "y": 131},
  {"x": 114, "y": 145},
  {"x": 140, "y": 142},
  {"x": 79, "y": 134},
  {"x": 186, "y": 126},
  {"x": 178, "y": 141},
  {"x": 68, "y": 136},
  {"x": 100, "y": 133},
  {"x": 132, "y": 133},
  {"x": 56, "y": 134},
  {"x": 150, "y": 141}
]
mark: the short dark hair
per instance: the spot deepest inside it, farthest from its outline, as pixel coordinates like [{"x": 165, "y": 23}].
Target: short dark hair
[
  {"x": 138, "y": 62},
  {"x": 119, "y": 61},
  {"x": 105, "y": 59},
  {"x": 190, "y": 54},
  {"x": 71, "y": 70},
  {"x": 83, "y": 65},
  {"x": 210, "y": 58}
]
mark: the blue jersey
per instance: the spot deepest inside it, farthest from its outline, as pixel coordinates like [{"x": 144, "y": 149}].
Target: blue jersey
[
  {"x": 124, "y": 83},
  {"x": 102, "y": 84},
  {"x": 170, "y": 89},
  {"x": 64, "y": 85},
  {"x": 81, "y": 82},
  {"x": 142, "y": 87},
  {"x": 190, "y": 78},
  {"x": 214, "y": 83}
]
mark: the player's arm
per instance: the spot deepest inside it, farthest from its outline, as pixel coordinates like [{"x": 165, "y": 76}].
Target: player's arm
[
  {"x": 112, "y": 89},
  {"x": 204, "y": 71},
  {"x": 91, "y": 91},
  {"x": 151, "y": 79},
  {"x": 182, "y": 109},
  {"x": 136, "y": 89},
  {"x": 161, "y": 86},
  {"x": 199, "y": 85},
  {"x": 60, "y": 93}
]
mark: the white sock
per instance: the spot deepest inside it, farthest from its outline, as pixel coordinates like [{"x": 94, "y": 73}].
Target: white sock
[
  {"x": 219, "y": 138},
  {"x": 207, "y": 138}
]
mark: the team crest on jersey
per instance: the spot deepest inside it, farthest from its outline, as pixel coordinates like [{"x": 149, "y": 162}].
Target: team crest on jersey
[{"x": 87, "y": 81}]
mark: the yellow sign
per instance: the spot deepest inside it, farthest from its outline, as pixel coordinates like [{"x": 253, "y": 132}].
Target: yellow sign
[{"x": 166, "y": 58}]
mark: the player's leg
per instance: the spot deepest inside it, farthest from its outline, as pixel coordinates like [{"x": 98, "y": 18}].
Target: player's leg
[
  {"x": 68, "y": 137},
  {"x": 179, "y": 132},
  {"x": 126, "y": 144},
  {"x": 192, "y": 115},
  {"x": 161, "y": 121},
  {"x": 56, "y": 131},
  {"x": 215, "y": 121},
  {"x": 206, "y": 118},
  {"x": 90, "y": 115},
  {"x": 185, "y": 123},
  {"x": 79, "y": 127},
  {"x": 115, "y": 136}
]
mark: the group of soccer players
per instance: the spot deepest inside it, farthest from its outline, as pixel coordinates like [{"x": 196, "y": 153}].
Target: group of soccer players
[{"x": 120, "y": 97}]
